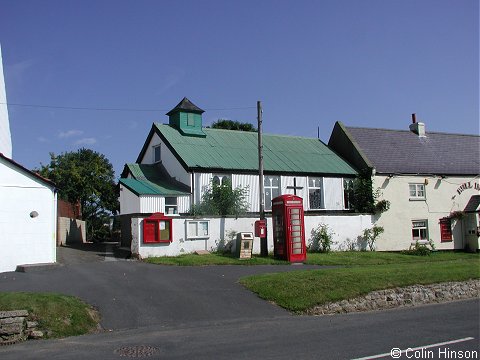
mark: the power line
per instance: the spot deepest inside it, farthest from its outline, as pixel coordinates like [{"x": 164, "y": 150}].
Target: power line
[{"x": 114, "y": 109}]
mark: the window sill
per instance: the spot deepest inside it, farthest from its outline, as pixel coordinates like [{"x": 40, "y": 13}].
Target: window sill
[{"x": 417, "y": 199}]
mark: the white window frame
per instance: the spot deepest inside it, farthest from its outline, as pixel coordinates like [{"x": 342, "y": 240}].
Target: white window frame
[
  {"x": 197, "y": 223},
  {"x": 319, "y": 187},
  {"x": 415, "y": 190},
  {"x": 154, "y": 149},
  {"x": 175, "y": 207},
  {"x": 270, "y": 187},
  {"x": 419, "y": 229}
]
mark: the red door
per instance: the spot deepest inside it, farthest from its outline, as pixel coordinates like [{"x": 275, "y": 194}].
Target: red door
[{"x": 296, "y": 235}]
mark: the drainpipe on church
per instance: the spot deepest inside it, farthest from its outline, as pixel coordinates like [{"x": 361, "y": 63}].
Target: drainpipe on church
[{"x": 263, "y": 241}]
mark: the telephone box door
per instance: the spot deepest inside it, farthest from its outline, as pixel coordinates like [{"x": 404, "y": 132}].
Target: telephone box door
[
  {"x": 296, "y": 235},
  {"x": 288, "y": 228}
]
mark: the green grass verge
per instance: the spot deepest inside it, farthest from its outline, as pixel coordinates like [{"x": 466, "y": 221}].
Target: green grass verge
[
  {"x": 300, "y": 290},
  {"x": 58, "y": 315},
  {"x": 212, "y": 259},
  {"x": 382, "y": 258}
]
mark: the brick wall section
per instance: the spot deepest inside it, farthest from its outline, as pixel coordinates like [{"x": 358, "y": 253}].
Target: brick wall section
[{"x": 68, "y": 210}]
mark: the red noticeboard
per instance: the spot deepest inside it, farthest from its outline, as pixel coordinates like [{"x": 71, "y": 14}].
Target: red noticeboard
[
  {"x": 157, "y": 229},
  {"x": 288, "y": 228}
]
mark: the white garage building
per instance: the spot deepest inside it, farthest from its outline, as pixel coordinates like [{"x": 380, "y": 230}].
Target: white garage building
[{"x": 28, "y": 215}]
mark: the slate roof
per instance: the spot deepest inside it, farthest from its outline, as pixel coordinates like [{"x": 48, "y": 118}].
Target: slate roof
[
  {"x": 404, "y": 152},
  {"x": 186, "y": 105},
  {"x": 147, "y": 180},
  {"x": 473, "y": 204},
  {"x": 229, "y": 150}
]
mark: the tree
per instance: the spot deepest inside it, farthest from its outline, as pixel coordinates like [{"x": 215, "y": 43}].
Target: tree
[
  {"x": 233, "y": 125},
  {"x": 87, "y": 177},
  {"x": 221, "y": 199}
]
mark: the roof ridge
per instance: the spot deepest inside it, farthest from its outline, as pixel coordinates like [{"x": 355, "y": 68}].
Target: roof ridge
[{"x": 408, "y": 131}]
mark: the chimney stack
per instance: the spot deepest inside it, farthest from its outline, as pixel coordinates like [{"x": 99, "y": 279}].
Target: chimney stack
[{"x": 417, "y": 127}]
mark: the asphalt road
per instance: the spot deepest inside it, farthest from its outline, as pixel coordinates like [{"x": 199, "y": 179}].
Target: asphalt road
[{"x": 203, "y": 313}]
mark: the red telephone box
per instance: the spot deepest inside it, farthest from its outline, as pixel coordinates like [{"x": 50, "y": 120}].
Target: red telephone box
[{"x": 288, "y": 228}]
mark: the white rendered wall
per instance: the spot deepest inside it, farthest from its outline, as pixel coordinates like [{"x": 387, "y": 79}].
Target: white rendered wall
[
  {"x": 23, "y": 239},
  {"x": 221, "y": 227},
  {"x": 5, "y": 136},
  {"x": 442, "y": 197},
  {"x": 169, "y": 161},
  {"x": 129, "y": 202}
]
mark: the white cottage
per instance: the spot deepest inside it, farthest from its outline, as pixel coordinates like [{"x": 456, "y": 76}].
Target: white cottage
[
  {"x": 28, "y": 217},
  {"x": 431, "y": 179},
  {"x": 179, "y": 160}
]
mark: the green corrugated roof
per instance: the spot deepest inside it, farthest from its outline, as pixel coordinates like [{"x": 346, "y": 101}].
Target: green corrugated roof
[
  {"x": 146, "y": 181},
  {"x": 237, "y": 150}
]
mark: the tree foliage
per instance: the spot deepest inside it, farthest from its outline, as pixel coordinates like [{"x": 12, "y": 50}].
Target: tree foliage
[
  {"x": 233, "y": 125},
  {"x": 221, "y": 199},
  {"x": 87, "y": 177}
]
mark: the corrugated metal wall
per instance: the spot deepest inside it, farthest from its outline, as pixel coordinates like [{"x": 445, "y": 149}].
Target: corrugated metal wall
[
  {"x": 153, "y": 203},
  {"x": 250, "y": 181},
  {"x": 332, "y": 189}
]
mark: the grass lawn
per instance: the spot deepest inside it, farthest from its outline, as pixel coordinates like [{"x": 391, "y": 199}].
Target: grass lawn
[
  {"x": 342, "y": 258},
  {"x": 212, "y": 259},
  {"x": 382, "y": 258},
  {"x": 58, "y": 315},
  {"x": 300, "y": 290}
]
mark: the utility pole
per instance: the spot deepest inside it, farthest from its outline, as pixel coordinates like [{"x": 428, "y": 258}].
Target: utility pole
[{"x": 263, "y": 241}]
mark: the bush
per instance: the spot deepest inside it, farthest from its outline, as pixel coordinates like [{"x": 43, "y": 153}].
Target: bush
[
  {"x": 221, "y": 199},
  {"x": 420, "y": 249},
  {"x": 321, "y": 240},
  {"x": 371, "y": 235}
]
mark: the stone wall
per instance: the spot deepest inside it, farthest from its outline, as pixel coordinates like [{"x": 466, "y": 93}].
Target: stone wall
[
  {"x": 398, "y": 297},
  {"x": 14, "y": 327}
]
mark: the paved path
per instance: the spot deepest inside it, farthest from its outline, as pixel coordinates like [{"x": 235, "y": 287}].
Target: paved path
[{"x": 130, "y": 293}]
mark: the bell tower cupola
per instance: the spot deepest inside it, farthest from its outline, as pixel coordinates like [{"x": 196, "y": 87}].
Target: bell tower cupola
[{"x": 186, "y": 117}]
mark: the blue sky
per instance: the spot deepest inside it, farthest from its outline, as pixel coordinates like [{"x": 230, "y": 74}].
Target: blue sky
[{"x": 367, "y": 63}]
